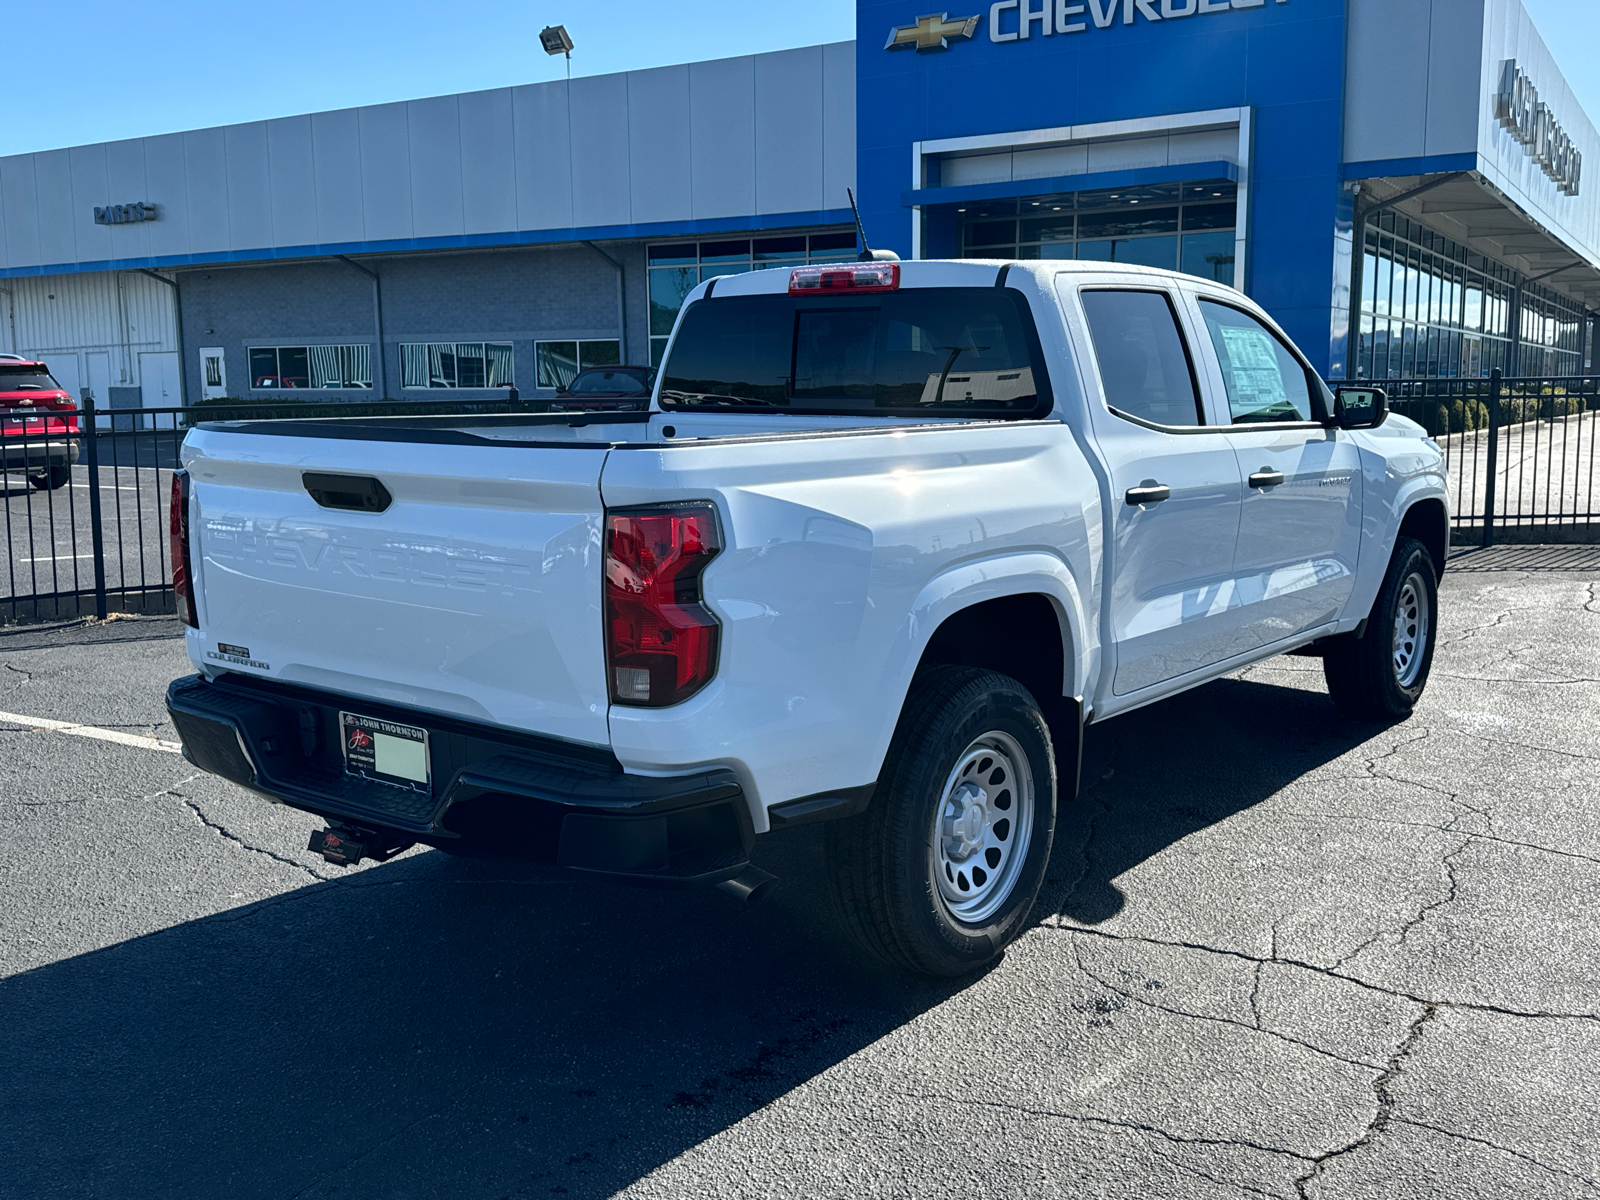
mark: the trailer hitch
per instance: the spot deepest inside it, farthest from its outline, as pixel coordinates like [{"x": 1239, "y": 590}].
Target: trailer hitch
[{"x": 345, "y": 845}]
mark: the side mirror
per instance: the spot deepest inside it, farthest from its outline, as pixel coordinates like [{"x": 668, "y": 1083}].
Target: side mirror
[{"x": 1360, "y": 407}]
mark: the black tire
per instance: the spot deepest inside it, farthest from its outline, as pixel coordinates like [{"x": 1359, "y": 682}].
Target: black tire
[
  {"x": 1365, "y": 675},
  {"x": 886, "y": 861},
  {"x": 51, "y": 479}
]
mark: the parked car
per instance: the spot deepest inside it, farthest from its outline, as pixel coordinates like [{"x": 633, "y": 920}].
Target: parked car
[
  {"x": 598, "y": 389},
  {"x": 889, "y": 536},
  {"x": 37, "y": 441}
]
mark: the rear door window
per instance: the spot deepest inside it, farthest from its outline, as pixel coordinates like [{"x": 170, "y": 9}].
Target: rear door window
[
  {"x": 922, "y": 351},
  {"x": 1144, "y": 363}
]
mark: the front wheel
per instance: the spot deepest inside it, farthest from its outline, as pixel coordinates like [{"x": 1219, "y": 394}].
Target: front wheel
[
  {"x": 939, "y": 874},
  {"x": 1380, "y": 676},
  {"x": 51, "y": 478}
]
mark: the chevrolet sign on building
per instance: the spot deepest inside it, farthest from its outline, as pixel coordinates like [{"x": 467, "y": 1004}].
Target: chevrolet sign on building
[{"x": 1399, "y": 182}]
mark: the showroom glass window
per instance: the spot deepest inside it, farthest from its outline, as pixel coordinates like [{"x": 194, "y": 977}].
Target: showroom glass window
[
  {"x": 557, "y": 363},
  {"x": 292, "y": 367},
  {"x": 676, "y": 268},
  {"x": 1432, "y": 309},
  {"x": 1188, "y": 227},
  {"x": 456, "y": 365}
]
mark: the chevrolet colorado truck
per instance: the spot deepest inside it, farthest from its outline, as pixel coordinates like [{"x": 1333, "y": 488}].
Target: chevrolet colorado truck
[{"x": 887, "y": 538}]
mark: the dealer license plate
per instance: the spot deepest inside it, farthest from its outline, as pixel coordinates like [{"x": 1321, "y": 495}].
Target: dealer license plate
[{"x": 385, "y": 751}]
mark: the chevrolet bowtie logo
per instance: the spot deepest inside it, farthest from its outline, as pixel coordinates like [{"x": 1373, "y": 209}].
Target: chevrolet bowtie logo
[{"x": 932, "y": 32}]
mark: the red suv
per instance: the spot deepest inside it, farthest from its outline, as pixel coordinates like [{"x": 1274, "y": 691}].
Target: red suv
[{"x": 37, "y": 420}]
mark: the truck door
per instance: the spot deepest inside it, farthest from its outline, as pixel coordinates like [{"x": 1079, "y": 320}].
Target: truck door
[
  {"x": 1176, "y": 491},
  {"x": 1300, "y": 522}
]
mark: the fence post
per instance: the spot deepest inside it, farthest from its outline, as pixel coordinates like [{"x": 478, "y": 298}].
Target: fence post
[
  {"x": 1494, "y": 457},
  {"x": 96, "y": 527}
]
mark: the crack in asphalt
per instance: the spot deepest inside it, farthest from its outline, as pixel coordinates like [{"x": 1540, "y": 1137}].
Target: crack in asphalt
[
  {"x": 1177, "y": 1139},
  {"x": 1130, "y": 994},
  {"x": 1560, "y": 682},
  {"x": 1385, "y": 1098},
  {"x": 1594, "y": 599},
  {"x": 27, "y": 676},
  {"x": 227, "y": 833},
  {"x": 1473, "y": 630},
  {"x": 1525, "y": 1157},
  {"x": 1329, "y": 972},
  {"x": 1480, "y": 837}
]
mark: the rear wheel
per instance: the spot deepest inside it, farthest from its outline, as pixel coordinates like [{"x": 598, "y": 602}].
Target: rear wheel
[
  {"x": 51, "y": 478},
  {"x": 1381, "y": 675},
  {"x": 939, "y": 874}
]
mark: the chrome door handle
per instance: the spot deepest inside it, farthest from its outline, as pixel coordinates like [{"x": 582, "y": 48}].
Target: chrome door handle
[
  {"x": 1148, "y": 492},
  {"x": 1265, "y": 478}
]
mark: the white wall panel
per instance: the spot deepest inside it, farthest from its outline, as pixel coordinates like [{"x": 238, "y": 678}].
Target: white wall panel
[
  {"x": 769, "y": 134},
  {"x": 436, "y": 202},
  {"x": 600, "y": 186},
  {"x": 90, "y": 188},
  {"x": 205, "y": 157},
  {"x": 385, "y": 172},
  {"x": 336, "y": 151},
  {"x": 249, "y": 186},
  {"x": 167, "y": 188},
  {"x": 1386, "y": 86},
  {"x": 18, "y": 186},
  {"x": 292, "y": 183},
  {"x": 659, "y": 145},
  {"x": 1455, "y": 52},
  {"x": 789, "y": 131},
  {"x": 838, "y": 123},
  {"x": 125, "y": 182},
  {"x": 54, "y": 179},
  {"x": 722, "y": 132},
  {"x": 543, "y": 153},
  {"x": 488, "y": 164}
]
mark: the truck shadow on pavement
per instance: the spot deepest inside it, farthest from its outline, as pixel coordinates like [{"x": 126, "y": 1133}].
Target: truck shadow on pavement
[
  {"x": 1155, "y": 776},
  {"x": 436, "y": 1027}
]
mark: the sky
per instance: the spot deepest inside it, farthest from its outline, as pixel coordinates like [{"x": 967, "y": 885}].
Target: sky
[{"x": 107, "y": 70}]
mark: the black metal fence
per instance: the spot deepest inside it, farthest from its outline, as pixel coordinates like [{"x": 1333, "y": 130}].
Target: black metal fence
[
  {"x": 1522, "y": 453},
  {"x": 87, "y": 518}
]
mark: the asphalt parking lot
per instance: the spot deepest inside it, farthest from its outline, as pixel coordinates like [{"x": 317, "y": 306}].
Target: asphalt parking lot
[{"x": 1279, "y": 953}]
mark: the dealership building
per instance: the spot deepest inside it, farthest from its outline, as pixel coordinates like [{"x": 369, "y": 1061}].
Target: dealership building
[{"x": 1408, "y": 186}]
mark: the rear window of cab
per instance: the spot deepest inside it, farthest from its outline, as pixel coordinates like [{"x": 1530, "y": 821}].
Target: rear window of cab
[{"x": 918, "y": 352}]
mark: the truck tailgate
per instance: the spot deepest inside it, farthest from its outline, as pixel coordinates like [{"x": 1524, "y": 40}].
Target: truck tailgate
[{"x": 476, "y": 592}]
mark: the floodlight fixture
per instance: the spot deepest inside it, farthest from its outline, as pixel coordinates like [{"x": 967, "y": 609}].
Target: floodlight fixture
[{"x": 556, "y": 40}]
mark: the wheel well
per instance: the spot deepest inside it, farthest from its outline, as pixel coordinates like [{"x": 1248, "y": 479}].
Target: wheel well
[
  {"x": 1425, "y": 521},
  {"x": 1019, "y": 636}
]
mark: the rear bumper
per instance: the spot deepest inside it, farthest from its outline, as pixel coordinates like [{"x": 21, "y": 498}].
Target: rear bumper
[
  {"x": 493, "y": 792},
  {"x": 23, "y": 454}
]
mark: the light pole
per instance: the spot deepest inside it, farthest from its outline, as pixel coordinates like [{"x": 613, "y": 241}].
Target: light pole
[{"x": 556, "y": 40}]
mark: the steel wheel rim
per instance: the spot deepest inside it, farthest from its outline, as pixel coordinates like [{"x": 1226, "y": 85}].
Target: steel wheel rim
[
  {"x": 1410, "y": 630},
  {"x": 982, "y": 827}
]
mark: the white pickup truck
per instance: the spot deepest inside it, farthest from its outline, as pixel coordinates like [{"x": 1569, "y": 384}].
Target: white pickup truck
[{"x": 889, "y": 536}]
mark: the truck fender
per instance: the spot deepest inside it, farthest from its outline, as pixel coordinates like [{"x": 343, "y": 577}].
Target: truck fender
[
  {"x": 1383, "y": 530},
  {"x": 969, "y": 583}
]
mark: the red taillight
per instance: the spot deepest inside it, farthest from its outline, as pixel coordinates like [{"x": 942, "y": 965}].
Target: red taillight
[
  {"x": 181, "y": 575},
  {"x": 661, "y": 640},
  {"x": 845, "y": 277}
]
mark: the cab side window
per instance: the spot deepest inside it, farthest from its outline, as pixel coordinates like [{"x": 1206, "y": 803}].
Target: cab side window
[
  {"x": 1144, "y": 364},
  {"x": 1265, "y": 382}
]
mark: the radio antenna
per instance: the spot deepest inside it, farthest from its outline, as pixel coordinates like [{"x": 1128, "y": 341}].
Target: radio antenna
[{"x": 867, "y": 253}]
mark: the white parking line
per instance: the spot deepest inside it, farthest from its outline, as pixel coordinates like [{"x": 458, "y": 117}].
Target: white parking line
[{"x": 92, "y": 731}]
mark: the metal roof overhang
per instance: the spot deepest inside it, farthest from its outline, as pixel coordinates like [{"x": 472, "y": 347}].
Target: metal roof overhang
[{"x": 1467, "y": 208}]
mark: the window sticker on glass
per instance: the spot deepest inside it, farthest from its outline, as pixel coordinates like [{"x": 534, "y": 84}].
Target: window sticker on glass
[
  {"x": 1264, "y": 381},
  {"x": 1255, "y": 383}
]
